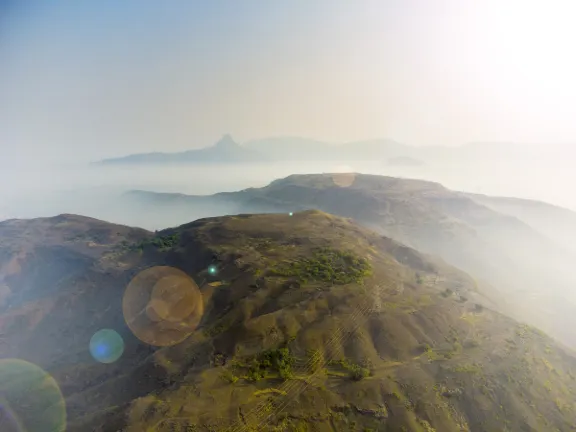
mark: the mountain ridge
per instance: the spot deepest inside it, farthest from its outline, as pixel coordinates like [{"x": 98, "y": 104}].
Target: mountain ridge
[
  {"x": 225, "y": 150},
  {"x": 427, "y": 216},
  {"x": 299, "y": 149}
]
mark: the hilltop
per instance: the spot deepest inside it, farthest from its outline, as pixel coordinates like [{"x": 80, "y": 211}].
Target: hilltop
[
  {"x": 526, "y": 272},
  {"x": 310, "y": 321}
]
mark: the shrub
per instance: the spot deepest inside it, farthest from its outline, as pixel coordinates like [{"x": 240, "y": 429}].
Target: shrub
[
  {"x": 468, "y": 368},
  {"x": 158, "y": 242},
  {"x": 278, "y": 360},
  {"x": 255, "y": 371},
  {"x": 327, "y": 265},
  {"x": 229, "y": 377},
  {"x": 358, "y": 373},
  {"x": 427, "y": 427},
  {"x": 423, "y": 348}
]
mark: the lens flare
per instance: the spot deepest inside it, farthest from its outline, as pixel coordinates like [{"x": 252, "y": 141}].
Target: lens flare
[
  {"x": 106, "y": 346},
  {"x": 344, "y": 177},
  {"x": 163, "y": 305},
  {"x": 30, "y": 399},
  {"x": 9, "y": 421}
]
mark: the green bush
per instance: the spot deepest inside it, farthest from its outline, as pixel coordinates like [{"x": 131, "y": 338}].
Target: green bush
[
  {"x": 157, "y": 242},
  {"x": 468, "y": 368},
  {"x": 356, "y": 372},
  {"x": 255, "y": 373},
  {"x": 327, "y": 265},
  {"x": 278, "y": 360},
  {"x": 229, "y": 377}
]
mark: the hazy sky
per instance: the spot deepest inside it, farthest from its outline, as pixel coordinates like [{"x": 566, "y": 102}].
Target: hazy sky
[{"x": 87, "y": 79}]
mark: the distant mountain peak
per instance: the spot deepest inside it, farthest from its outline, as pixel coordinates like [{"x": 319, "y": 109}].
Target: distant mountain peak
[{"x": 226, "y": 142}]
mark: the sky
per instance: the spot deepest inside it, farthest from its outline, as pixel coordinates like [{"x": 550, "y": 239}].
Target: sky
[{"x": 85, "y": 80}]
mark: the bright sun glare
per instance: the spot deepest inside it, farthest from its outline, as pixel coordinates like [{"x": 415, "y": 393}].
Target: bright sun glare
[{"x": 523, "y": 52}]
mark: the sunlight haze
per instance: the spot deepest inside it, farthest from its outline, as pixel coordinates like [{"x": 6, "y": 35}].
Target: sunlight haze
[{"x": 85, "y": 80}]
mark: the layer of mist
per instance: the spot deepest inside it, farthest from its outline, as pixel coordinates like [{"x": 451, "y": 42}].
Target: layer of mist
[{"x": 96, "y": 191}]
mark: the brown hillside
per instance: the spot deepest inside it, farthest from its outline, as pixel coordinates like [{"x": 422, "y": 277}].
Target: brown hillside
[{"x": 309, "y": 323}]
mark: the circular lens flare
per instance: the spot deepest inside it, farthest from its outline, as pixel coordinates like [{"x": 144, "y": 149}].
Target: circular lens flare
[
  {"x": 9, "y": 421},
  {"x": 163, "y": 305},
  {"x": 30, "y": 399},
  {"x": 344, "y": 179},
  {"x": 106, "y": 346}
]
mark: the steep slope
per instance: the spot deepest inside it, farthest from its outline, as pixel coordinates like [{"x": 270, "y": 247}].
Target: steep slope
[
  {"x": 309, "y": 323},
  {"x": 531, "y": 274},
  {"x": 56, "y": 284}
]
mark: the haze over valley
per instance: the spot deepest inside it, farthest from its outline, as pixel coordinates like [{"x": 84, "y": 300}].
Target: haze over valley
[{"x": 94, "y": 188}]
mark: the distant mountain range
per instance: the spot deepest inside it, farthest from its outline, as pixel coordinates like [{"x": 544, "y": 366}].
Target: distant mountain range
[
  {"x": 284, "y": 149},
  {"x": 226, "y": 150}
]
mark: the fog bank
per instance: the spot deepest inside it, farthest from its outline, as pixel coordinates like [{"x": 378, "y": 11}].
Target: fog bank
[{"x": 91, "y": 190}]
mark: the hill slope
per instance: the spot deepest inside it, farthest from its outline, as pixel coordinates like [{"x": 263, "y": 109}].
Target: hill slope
[
  {"x": 530, "y": 273},
  {"x": 557, "y": 223},
  {"x": 309, "y": 323}
]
